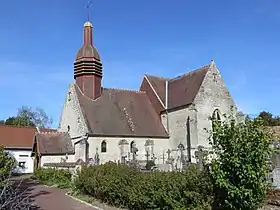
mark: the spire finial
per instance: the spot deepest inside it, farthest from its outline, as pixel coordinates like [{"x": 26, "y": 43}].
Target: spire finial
[{"x": 89, "y": 3}]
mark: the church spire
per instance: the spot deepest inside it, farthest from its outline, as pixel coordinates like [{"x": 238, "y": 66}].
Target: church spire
[
  {"x": 88, "y": 66},
  {"x": 87, "y": 33}
]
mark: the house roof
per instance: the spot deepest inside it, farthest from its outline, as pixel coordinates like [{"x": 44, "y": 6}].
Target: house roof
[
  {"x": 18, "y": 136},
  {"x": 54, "y": 143},
  {"x": 186, "y": 85},
  {"x": 121, "y": 113}
]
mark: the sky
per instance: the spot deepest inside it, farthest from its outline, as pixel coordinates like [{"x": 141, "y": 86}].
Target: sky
[{"x": 40, "y": 38}]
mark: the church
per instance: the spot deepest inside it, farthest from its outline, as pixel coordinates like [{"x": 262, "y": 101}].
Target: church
[{"x": 166, "y": 119}]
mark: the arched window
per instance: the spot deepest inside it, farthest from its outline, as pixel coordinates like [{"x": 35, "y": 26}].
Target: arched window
[
  {"x": 103, "y": 146},
  {"x": 216, "y": 118},
  {"x": 131, "y": 146},
  {"x": 216, "y": 115}
]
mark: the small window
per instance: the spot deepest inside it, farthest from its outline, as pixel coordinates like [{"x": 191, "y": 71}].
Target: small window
[
  {"x": 132, "y": 145},
  {"x": 23, "y": 155},
  {"x": 215, "y": 77},
  {"x": 21, "y": 165},
  {"x": 103, "y": 146},
  {"x": 69, "y": 96},
  {"x": 68, "y": 128}
]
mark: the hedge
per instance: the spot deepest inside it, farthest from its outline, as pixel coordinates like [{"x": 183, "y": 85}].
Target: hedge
[
  {"x": 121, "y": 186},
  {"x": 50, "y": 176}
]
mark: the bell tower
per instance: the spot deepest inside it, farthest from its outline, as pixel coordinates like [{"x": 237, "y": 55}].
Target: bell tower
[{"x": 88, "y": 66}]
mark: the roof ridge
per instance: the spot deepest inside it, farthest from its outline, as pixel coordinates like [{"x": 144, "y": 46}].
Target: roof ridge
[
  {"x": 49, "y": 132},
  {"x": 17, "y": 126},
  {"x": 122, "y": 89},
  {"x": 190, "y": 72},
  {"x": 159, "y": 77}
]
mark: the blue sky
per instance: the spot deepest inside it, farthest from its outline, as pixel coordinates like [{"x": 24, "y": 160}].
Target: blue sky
[{"x": 39, "y": 41}]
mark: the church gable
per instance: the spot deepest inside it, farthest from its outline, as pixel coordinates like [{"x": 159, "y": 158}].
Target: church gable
[
  {"x": 213, "y": 97},
  {"x": 213, "y": 93},
  {"x": 72, "y": 119}
]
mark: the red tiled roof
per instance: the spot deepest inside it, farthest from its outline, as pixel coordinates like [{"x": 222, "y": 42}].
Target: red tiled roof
[{"x": 18, "y": 136}]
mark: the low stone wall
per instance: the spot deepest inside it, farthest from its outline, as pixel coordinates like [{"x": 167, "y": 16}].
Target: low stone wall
[{"x": 72, "y": 167}]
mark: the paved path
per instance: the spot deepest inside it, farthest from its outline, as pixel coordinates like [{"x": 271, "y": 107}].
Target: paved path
[{"x": 47, "y": 198}]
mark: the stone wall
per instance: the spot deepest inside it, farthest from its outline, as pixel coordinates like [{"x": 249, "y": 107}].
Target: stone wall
[
  {"x": 72, "y": 116},
  {"x": 113, "y": 152},
  {"x": 56, "y": 159},
  {"x": 213, "y": 95}
]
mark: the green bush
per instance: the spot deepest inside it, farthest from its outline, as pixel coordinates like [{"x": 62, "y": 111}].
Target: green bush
[
  {"x": 7, "y": 163},
  {"x": 122, "y": 186},
  {"x": 50, "y": 176},
  {"x": 240, "y": 170}
]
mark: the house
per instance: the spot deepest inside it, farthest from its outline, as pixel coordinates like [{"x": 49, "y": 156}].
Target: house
[
  {"x": 165, "y": 120},
  {"x": 18, "y": 141}
]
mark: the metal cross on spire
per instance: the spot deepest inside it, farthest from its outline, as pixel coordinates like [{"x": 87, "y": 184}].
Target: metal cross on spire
[{"x": 89, "y": 3}]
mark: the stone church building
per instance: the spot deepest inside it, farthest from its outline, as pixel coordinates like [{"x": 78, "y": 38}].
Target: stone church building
[{"x": 164, "y": 119}]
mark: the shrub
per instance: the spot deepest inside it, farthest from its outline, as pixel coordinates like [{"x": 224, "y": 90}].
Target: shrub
[
  {"x": 240, "y": 170},
  {"x": 7, "y": 163},
  {"x": 122, "y": 186},
  {"x": 50, "y": 176},
  {"x": 10, "y": 195}
]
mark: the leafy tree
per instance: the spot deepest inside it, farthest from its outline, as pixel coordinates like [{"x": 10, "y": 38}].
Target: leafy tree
[
  {"x": 27, "y": 116},
  {"x": 7, "y": 163},
  {"x": 2, "y": 122},
  {"x": 19, "y": 121},
  {"x": 240, "y": 168},
  {"x": 268, "y": 119}
]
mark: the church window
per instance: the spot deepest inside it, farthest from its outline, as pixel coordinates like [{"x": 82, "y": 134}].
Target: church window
[
  {"x": 131, "y": 146},
  {"x": 216, "y": 118},
  {"x": 216, "y": 115},
  {"x": 103, "y": 146},
  {"x": 69, "y": 96},
  {"x": 215, "y": 77},
  {"x": 68, "y": 128},
  {"x": 188, "y": 139}
]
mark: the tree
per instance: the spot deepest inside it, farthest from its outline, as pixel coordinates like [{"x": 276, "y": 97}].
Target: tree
[
  {"x": 19, "y": 121},
  {"x": 27, "y": 116},
  {"x": 240, "y": 168},
  {"x": 268, "y": 119}
]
